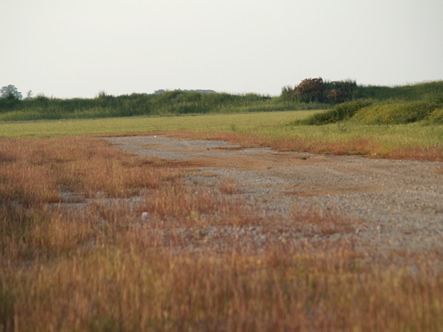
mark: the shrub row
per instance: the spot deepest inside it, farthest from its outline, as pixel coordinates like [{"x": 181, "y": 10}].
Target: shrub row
[
  {"x": 340, "y": 112},
  {"x": 372, "y": 112},
  {"x": 397, "y": 112},
  {"x": 335, "y": 92},
  {"x": 167, "y": 103}
]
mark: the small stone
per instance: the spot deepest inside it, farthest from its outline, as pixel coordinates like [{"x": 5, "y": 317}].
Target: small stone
[{"x": 145, "y": 215}]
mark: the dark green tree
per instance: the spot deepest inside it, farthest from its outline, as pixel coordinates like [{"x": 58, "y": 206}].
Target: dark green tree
[
  {"x": 287, "y": 93},
  {"x": 10, "y": 91}
]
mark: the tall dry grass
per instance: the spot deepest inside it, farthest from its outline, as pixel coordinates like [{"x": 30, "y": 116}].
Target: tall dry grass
[
  {"x": 359, "y": 146},
  {"x": 95, "y": 263}
]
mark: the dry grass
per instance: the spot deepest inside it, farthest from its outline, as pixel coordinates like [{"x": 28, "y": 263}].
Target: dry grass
[
  {"x": 325, "y": 223},
  {"x": 418, "y": 153},
  {"x": 229, "y": 186},
  {"x": 361, "y": 146},
  {"x": 406, "y": 141},
  {"x": 192, "y": 264}
]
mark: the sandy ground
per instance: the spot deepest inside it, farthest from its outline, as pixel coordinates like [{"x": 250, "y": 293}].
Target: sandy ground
[{"x": 395, "y": 205}]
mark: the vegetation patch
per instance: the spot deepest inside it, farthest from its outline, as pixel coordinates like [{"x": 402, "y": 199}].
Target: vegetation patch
[
  {"x": 400, "y": 105},
  {"x": 142, "y": 251},
  {"x": 381, "y": 113},
  {"x": 175, "y": 102},
  {"x": 309, "y": 94},
  {"x": 340, "y": 112},
  {"x": 436, "y": 116},
  {"x": 178, "y": 258},
  {"x": 405, "y": 141},
  {"x": 398, "y": 112}
]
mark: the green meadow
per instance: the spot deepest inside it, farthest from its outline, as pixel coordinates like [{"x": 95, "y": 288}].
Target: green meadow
[
  {"x": 265, "y": 128},
  {"x": 248, "y": 122}
]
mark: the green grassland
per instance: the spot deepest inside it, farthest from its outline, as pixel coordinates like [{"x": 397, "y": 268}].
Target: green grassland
[
  {"x": 408, "y": 125},
  {"x": 268, "y": 128},
  {"x": 245, "y": 123}
]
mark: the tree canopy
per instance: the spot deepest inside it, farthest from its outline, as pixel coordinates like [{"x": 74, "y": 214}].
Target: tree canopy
[{"x": 10, "y": 91}]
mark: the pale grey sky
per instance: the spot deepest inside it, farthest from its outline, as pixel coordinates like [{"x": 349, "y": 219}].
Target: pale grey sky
[{"x": 76, "y": 48}]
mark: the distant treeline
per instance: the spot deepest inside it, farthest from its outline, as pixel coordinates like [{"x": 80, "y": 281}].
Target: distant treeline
[
  {"x": 309, "y": 94},
  {"x": 175, "y": 102},
  {"x": 335, "y": 92}
]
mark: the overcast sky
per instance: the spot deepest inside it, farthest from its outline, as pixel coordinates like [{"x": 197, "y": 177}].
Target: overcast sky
[{"x": 76, "y": 48}]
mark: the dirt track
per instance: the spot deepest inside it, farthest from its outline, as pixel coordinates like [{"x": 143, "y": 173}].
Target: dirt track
[{"x": 396, "y": 204}]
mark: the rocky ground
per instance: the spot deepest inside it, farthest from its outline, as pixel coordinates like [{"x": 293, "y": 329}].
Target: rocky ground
[{"x": 385, "y": 205}]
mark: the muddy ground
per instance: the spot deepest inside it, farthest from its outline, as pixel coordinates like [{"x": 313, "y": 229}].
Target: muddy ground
[{"x": 392, "y": 205}]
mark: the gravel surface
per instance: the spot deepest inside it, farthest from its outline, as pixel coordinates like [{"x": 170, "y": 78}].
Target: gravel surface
[{"x": 393, "y": 204}]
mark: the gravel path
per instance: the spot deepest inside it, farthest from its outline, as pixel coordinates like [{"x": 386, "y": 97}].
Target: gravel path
[{"x": 396, "y": 204}]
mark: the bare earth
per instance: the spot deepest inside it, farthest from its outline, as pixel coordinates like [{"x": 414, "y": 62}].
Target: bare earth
[{"x": 395, "y": 205}]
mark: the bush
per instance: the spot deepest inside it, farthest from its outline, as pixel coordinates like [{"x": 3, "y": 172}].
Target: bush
[
  {"x": 430, "y": 91},
  {"x": 339, "y": 91},
  {"x": 8, "y": 103},
  {"x": 396, "y": 112},
  {"x": 340, "y": 112},
  {"x": 436, "y": 116},
  {"x": 371, "y": 112},
  {"x": 309, "y": 90}
]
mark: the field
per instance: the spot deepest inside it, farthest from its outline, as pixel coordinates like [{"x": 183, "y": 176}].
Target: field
[
  {"x": 95, "y": 238},
  {"x": 410, "y": 141}
]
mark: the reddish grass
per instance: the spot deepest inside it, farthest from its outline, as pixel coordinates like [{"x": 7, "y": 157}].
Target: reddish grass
[
  {"x": 99, "y": 265},
  {"x": 362, "y": 147},
  {"x": 324, "y": 223},
  {"x": 229, "y": 186},
  {"x": 418, "y": 153}
]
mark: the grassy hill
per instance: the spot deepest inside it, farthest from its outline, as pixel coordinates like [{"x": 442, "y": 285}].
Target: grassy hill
[
  {"x": 431, "y": 91},
  {"x": 385, "y": 105}
]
